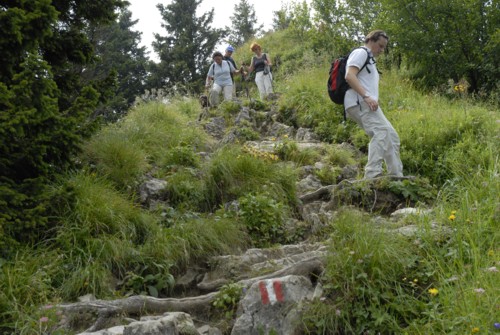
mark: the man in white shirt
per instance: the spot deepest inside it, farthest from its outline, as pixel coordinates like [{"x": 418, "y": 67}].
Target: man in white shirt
[{"x": 361, "y": 104}]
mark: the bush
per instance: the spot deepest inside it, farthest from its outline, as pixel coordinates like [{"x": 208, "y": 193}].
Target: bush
[{"x": 264, "y": 218}]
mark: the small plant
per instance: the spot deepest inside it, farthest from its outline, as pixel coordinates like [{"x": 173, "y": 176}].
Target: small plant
[
  {"x": 263, "y": 217},
  {"x": 152, "y": 283},
  {"x": 339, "y": 156},
  {"x": 181, "y": 156},
  {"x": 247, "y": 134},
  {"x": 258, "y": 105},
  {"x": 227, "y": 299},
  {"x": 419, "y": 190},
  {"x": 288, "y": 150},
  {"x": 328, "y": 175},
  {"x": 229, "y": 108}
]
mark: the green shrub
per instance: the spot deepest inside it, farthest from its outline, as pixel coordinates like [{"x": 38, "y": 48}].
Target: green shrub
[
  {"x": 264, "y": 218},
  {"x": 180, "y": 156},
  {"x": 340, "y": 157},
  {"x": 247, "y": 134},
  {"x": 227, "y": 299},
  {"x": 186, "y": 190}
]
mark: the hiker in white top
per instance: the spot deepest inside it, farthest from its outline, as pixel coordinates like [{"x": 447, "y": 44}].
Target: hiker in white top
[
  {"x": 362, "y": 105},
  {"x": 220, "y": 73}
]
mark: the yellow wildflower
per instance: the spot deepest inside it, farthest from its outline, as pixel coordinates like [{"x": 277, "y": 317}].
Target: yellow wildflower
[
  {"x": 433, "y": 291},
  {"x": 475, "y": 330},
  {"x": 452, "y": 217},
  {"x": 491, "y": 253}
]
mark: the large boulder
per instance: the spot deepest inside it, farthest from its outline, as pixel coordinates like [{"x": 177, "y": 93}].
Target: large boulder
[{"x": 273, "y": 305}]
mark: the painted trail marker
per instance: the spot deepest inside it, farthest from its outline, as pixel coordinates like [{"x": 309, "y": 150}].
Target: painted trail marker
[{"x": 271, "y": 291}]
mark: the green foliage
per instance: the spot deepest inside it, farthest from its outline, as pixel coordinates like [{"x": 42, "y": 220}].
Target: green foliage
[
  {"x": 232, "y": 173},
  {"x": 185, "y": 190},
  {"x": 229, "y": 109},
  {"x": 439, "y": 128},
  {"x": 416, "y": 191},
  {"x": 328, "y": 175},
  {"x": 245, "y": 133},
  {"x": 150, "y": 282},
  {"x": 227, "y": 299},
  {"x": 150, "y": 133},
  {"x": 118, "y": 50},
  {"x": 264, "y": 218},
  {"x": 113, "y": 156},
  {"x": 243, "y": 23},
  {"x": 185, "y": 50},
  {"x": 288, "y": 150},
  {"x": 45, "y": 105},
  {"x": 343, "y": 24},
  {"x": 366, "y": 280},
  {"x": 195, "y": 239},
  {"x": 339, "y": 156},
  {"x": 461, "y": 45}
]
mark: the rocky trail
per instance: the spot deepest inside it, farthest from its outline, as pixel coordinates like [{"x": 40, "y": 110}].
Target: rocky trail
[{"x": 274, "y": 281}]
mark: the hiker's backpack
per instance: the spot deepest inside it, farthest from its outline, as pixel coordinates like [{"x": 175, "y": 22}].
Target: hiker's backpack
[{"x": 337, "y": 85}]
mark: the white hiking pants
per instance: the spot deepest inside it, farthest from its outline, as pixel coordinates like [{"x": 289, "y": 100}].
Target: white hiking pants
[
  {"x": 384, "y": 141},
  {"x": 215, "y": 93},
  {"x": 264, "y": 84}
]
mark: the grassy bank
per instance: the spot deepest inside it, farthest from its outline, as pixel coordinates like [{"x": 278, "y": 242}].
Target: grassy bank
[{"x": 102, "y": 242}]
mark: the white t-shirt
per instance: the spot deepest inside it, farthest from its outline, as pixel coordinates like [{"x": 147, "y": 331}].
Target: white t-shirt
[
  {"x": 222, "y": 73},
  {"x": 369, "y": 80}
]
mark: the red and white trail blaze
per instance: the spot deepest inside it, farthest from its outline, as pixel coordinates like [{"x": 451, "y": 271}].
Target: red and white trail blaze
[{"x": 271, "y": 291}]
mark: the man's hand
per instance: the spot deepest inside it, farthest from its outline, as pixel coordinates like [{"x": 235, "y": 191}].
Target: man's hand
[{"x": 372, "y": 103}]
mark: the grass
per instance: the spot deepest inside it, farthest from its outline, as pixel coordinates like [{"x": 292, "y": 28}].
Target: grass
[{"x": 103, "y": 242}]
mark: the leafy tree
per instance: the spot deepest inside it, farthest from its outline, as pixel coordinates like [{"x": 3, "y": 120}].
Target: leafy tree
[
  {"x": 300, "y": 19},
  {"x": 343, "y": 24},
  {"x": 44, "y": 105},
  {"x": 448, "y": 39},
  {"x": 282, "y": 18},
  {"x": 120, "y": 60},
  {"x": 244, "y": 23},
  {"x": 184, "y": 52}
]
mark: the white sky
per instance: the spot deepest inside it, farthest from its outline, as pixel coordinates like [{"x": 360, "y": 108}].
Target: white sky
[{"x": 150, "y": 20}]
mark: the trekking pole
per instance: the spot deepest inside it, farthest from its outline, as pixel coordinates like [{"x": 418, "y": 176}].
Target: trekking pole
[{"x": 245, "y": 82}]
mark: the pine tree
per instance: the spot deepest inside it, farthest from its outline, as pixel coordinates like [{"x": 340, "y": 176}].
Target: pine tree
[
  {"x": 121, "y": 61},
  {"x": 44, "y": 105},
  {"x": 244, "y": 23},
  {"x": 185, "y": 51}
]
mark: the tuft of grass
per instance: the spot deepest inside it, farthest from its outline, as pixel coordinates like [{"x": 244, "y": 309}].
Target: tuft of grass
[
  {"x": 341, "y": 157},
  {"x": 288, "y": 150},
  {"x": 115, "y": 157},
  {"x": 232, "y": 173},
  {"x": 373, "y": 281},
  {"x": 197, "y": 239},
  {"x": 151, "y": 134}
]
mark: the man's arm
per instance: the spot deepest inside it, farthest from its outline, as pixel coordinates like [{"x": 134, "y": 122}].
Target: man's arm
[{"x": 351, "y": 77}]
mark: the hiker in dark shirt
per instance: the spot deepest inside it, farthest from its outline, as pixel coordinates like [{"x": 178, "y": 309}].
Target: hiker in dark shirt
[
  {"x": 228, "y": 55},
  {"x": 261, "y": 63}
]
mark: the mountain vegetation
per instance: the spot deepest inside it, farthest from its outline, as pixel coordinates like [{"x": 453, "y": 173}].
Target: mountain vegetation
[{"x": 78, "y": 137}]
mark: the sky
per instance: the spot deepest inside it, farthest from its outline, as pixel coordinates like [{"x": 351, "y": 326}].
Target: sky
[{"x": 150, "y": 20}]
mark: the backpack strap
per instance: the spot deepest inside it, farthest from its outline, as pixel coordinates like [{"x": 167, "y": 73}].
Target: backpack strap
[
  {"x": 367, "y": 60},
  {"x": 213, "y": 66}
]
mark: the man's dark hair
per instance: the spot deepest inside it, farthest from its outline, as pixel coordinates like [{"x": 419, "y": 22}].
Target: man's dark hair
[{"x": 217, "y": 53}]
